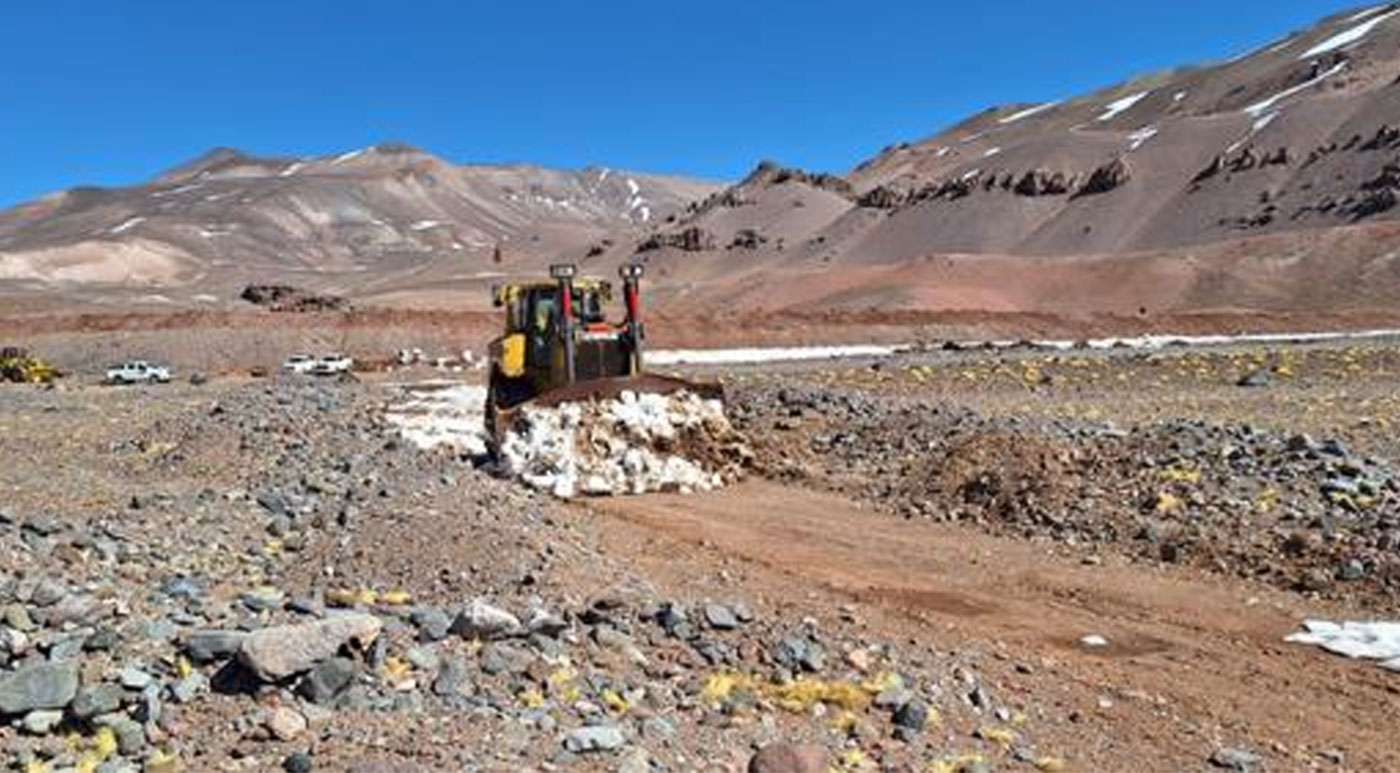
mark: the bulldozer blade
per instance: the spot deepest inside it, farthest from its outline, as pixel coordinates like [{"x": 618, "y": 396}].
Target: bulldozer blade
[{"x": 600, "y": 389}]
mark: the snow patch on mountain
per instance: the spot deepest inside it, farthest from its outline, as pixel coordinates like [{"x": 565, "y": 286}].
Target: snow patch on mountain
[
  {"x": 126, "y": 225},
  {"x": 1118, "y": 106},
  {"x": 1027, "y": 113},
  {"x": 1346, "y": 38},
  {"x": 1259, "y": 108},
  {"x": 1140, "y": 137}
]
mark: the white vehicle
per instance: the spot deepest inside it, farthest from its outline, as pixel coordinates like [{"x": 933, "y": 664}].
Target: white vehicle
[
  {"x": 138, "y": 372},
  {"x": 332, "y": 364},
  {"x": 299, "y": 364}
]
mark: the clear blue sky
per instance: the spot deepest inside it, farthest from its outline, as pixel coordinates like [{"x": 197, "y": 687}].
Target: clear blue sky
[{"x": 112, "y": 91}]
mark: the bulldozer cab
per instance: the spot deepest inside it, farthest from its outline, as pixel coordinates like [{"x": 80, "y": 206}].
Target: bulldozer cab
[
  {"x": 558, "y": 345},
  {"x": 533, "y": 346}
]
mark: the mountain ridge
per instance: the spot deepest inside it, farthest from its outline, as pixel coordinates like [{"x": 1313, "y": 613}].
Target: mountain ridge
[{"x": 1182, "y": 172}]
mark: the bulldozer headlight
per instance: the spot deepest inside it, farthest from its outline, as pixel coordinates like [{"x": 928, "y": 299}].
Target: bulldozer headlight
[
  {"x": 562, "y": 270},
  {"x": 630, "y": 270}
]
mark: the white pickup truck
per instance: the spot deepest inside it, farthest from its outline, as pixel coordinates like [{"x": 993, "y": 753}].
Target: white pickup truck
[
  {"x": 332, "y": 364},
  {"x": 138, "y": 372},
  {"x": 299, "y": 364}
]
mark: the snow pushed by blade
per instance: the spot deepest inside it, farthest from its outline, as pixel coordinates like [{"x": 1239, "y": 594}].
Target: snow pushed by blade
[
  {"x": 445, "y": 415},
  {"x": 635, "y": 444},
  {"x": 1367, "y": 641}
]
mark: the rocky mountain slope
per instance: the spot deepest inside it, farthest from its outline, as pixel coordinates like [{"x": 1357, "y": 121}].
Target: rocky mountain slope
[
  {"x": 363, "y": 223},
  {"x": 1266, "y": 182}
]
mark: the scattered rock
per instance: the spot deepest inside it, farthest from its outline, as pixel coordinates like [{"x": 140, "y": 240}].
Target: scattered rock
[
  {"x": 208, "y": 646},
  {"x": 41, "y": 721},
  {"x": 597, "y": 738},
  {"x": 433, "y": 624},
  {"x": 94, "y": 699},
  {"x": 720, "y": 617},
  {"x": 326, "y": 680},
  {"x": 281, "y": 651},
  {"x": 1240, "y": 760},
  {"x": 39, "y": 686},
  {"x": 481, "y": 620},
  {"x": 790, "y": 758},
  {"x": 285, "y": 723}
]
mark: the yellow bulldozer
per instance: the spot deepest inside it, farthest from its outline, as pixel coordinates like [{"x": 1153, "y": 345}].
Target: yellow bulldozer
[
  {"x": 558, "y": 346},
  {"x": 17, "y": 365}
]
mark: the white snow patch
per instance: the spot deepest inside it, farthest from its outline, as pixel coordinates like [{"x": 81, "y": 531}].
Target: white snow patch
[
  {"x": 1259, "y": 108},
  {"x": 1119, "y": 105},
  {"x": 1094, "y": 640},
  {"x": 1346, "y": 38},
  {"x": 343, "y": 157},
  {"x": 619, "y": 446},
  {"x": 177, "y": 191},
  {"x": 126, "y": 225},
  {"x": 423, "y": 225},
  {"x": 1159, "y": 341},
  {"x": 441, "y": 415},
  {"x": 989, "y": 152},
  {"x": 291, "y": 170},
  {"x": 1178, "y": 96},
  {"x": 1027, "y": 113},
  {"x": 645, "y": 213},
  {"x": 1264, "y": 120},
  {"x": 768, "y": 354},
  {"x": 756, "y": 355},
  {"x": 1366, "y": 641},
  {"x": 633, "y": 186},
  {"x": 1359, "y": 15},
  {"x": 1140, "y": 137},
  {"x": 204, "y": 298},
  {"x": 603, "y": 175},
  {"x": 971, "y": 173},
  {"x": 943, "y": 152}
]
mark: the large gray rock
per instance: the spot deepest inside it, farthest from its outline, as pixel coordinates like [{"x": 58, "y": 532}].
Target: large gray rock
[
  {"x": 206, "y": 646},
  {"x": 789, "y": 758},
  {"x": 281, "y": 651},
  {"x": 326, "y": 679},
  {"x": 95, "y": 699},
  {"x": 484, "y": 621},
  {"x": 721, "y": 617},
  {"x": 41, "y": 686},
  {"x": 599, "y": 738}
]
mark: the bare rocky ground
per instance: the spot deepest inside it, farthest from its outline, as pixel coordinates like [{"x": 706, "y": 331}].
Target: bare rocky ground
[{"x": 256, "y": 574}]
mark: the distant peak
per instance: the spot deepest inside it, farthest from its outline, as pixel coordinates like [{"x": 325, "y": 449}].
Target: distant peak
[
  {"x": 211, "y": 160},
  {"x": 396, "y": 148}
]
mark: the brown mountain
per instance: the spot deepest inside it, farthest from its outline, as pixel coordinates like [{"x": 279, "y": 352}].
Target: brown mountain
[
  {"x": 1268, "y": 183},
  {"x": 374, "y": 224}
]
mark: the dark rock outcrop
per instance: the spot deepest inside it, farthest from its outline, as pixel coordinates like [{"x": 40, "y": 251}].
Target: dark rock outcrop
[
  {"x": 1106, "y": 178},
  {"x": 294, "y": 299},
  {"x": 881, "y": 197},
  {"x": 692, "y": 239}
]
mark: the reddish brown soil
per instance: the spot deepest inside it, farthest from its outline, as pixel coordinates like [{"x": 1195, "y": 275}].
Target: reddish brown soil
[{"x": 1193, "y": 662}]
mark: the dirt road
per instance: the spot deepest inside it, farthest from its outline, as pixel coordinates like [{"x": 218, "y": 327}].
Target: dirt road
[{"x": 1193, "y": 663}]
